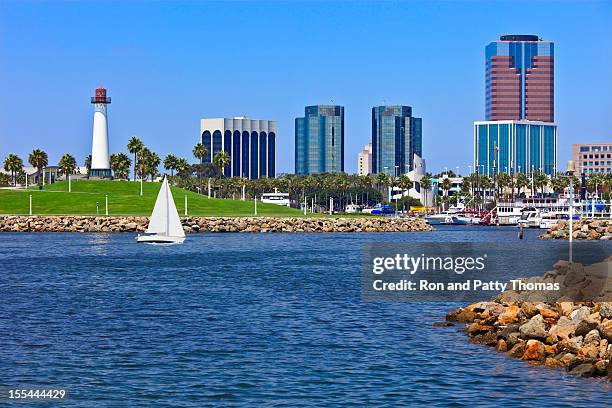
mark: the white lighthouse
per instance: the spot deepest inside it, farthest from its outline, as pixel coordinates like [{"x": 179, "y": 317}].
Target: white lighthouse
[{"x": 100, "y": 160}]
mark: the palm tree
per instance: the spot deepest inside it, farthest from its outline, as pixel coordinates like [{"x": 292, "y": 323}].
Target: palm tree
[
  {"x": 503, "y": 181},
  {"x": 5, "y": 180},
  {"x": 142, "y": 167},
  {"x": 120, "y": 164},
  {"x": 170, "y": 163},
  {"x": 220, "y": 160},
  {"x": 594, "y": 181},
  {"x": 446, "y": 186},
  {"x": 153, "y": 164},
  {"x": 67, "y": 164},
  {"x": 14, "y": 164},
  {"x": 199, "y": 152},
  {"x": 182, "y": 165},
  {"x": 134, "y": 146},
  {"x": 559, "y": 183},
  {"x": 426, "y": 185},
  {"x": 382, "y": 180},
  {"x": 522, "y": 181},
  {"x": 540, "y": 180},
  {"x": 88, "y": 163},
  {"x": 38, "y": 159}
]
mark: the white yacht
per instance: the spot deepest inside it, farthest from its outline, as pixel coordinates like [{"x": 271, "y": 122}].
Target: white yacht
[{"x": 276, "y": 198}]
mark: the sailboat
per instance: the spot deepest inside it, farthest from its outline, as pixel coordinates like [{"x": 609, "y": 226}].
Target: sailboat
[{"x": 164, "y": 225}]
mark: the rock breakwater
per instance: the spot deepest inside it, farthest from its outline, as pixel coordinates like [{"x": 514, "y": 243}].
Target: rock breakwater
[
  {"x": 590, "y": 229},
  {"x": 558, "y": 332},
  {"x": 12, "y": 223}
]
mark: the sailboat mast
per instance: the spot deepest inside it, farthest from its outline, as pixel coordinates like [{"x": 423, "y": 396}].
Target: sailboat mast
[{"x": 167, "y": 207}]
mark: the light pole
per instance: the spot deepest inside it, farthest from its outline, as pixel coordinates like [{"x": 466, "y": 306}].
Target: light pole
[
  {"x": 393, "y": 188},
  {"x": 570, "y": 173}
]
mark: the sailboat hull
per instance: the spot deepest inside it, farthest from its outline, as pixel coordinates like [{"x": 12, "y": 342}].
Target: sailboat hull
[{"x": 159, "y": 239}]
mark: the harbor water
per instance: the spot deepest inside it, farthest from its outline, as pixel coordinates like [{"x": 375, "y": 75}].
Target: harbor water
[{"x": 246, "y": 320}]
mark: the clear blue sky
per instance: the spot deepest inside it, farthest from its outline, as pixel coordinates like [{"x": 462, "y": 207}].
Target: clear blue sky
[{"x": 166, "y": 65}]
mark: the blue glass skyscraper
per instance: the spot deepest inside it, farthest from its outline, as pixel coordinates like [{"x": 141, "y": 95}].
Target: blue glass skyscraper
[
  {"x": 319, "y": 140},
  {"x": 396, "y": 138}
]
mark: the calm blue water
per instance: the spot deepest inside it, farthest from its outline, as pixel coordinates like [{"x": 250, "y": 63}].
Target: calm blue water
[{"x": 245, "y": 319}]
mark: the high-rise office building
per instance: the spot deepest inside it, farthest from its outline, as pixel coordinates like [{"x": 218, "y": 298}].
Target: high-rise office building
[
  {"x": 396, "y": 138},
  {"x": 319, "y": 140},
  {"x": 364, "y": 163},
  {"x": 513, "y": 146},
  {"x": 520, "y": 79},
  {"x": 250, "y": 144}
]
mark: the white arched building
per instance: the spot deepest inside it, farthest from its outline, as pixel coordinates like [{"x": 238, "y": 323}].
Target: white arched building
[{"x": 250, "y": 144}]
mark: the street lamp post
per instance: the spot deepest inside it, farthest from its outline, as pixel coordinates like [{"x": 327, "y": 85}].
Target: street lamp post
[
  {"x": 570, "y": 173},
  {"x": 394, "y": 183}
]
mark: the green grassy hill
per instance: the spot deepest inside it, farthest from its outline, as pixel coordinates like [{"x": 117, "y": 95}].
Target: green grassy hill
[{"x": 124, "y": 199}]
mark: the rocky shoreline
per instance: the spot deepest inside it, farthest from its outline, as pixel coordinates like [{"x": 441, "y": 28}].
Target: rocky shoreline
[
  {"x": 589, "y": 229},
  {"x": 554, "y": 331},
  {"x": 14, "y": 223}
]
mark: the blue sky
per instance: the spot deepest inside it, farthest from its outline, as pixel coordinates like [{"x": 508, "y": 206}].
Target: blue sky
[{"x": 166, "y": 65}]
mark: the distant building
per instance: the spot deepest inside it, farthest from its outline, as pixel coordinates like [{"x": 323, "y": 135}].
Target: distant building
[
  {"x": 513, "y": 146},
  {"x": 396, "y": 138},
  {"x": 319, "y": 140},
  {"x": 593, "y": 157},
  {"x": 250, "y": 144},
  {"x": 364, "y": 164},
  {"x": 520, "y": 79}
]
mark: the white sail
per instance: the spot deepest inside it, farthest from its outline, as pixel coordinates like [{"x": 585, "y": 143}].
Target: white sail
[{"x": 165, "y": 219}]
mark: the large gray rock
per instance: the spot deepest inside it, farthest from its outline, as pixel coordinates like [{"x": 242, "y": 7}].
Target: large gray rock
[
  {"x": 605, "y": 310},
  {"x": 580, "y": 313},
  {"x": 583, "y": 370},
  {"x": 535, "y": 328}
]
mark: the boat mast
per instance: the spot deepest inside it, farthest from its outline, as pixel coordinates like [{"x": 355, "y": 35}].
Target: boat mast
[{"x": 167, "y": 207}]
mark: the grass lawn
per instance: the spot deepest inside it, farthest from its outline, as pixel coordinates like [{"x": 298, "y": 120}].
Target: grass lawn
[{"x": 124, "y": 199}]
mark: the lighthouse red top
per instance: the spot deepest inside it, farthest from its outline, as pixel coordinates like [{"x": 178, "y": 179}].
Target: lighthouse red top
[{"x": 100, "y": 96}]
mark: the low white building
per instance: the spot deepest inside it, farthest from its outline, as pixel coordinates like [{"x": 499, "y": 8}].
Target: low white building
[{"x": 416, "y": 191}]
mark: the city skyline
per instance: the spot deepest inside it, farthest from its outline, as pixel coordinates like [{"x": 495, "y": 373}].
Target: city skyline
[{"x": 163, "y": 84}]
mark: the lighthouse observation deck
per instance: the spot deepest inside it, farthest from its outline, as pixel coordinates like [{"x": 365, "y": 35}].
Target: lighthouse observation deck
[{"x": 100, "y": 96}]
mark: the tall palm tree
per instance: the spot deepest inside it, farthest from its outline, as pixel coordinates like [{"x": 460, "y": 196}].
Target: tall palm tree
[
  {"x": 134, "y": 146},
  {"x": 503, "y": 181},
  {"x": 153, "y": 164},
  {"x": 522, "y": 181},
  {"x": 426, "y": 185},
  {"x": 13, "y": 164},
  {"x": 541, "y": 181},
  {"x": 38, "y": 159},
  {"x": 120, "y": 164},
  {"x": 67, "y": 164},
  {"x": 182, "y": 165},
  {"x": 199, "y": 152},
  {"x": 170, "y": 163},
  {"x": 142, "y": 167},
  {"x": 382, "y": 180},
  {"x": 559, "y": 183},
  {"x": 221, "y": 160},
  {"x": 88, "y": 163},
  {"x": 446, "y": 186}
]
